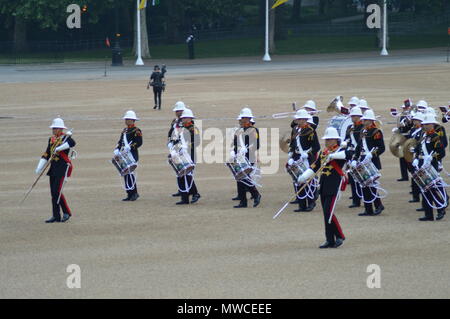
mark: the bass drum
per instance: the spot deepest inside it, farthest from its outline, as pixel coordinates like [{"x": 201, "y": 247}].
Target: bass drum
[
  {"x": 341, "y": 123},
  {"x": 285, "y": 140},
  {"x": 396, "y": 144},
  {"x": 407, "y": 154}
]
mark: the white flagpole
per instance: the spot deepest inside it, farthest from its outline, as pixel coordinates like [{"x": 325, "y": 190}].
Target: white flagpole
[
  {"x": 138, "y": 48},
  {"x": 266, "y": 54},
  {"x": 384, "y": 50}
]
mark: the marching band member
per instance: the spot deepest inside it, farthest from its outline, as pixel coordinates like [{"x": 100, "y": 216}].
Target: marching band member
[
  {"x": 304, "y": 146},
  {"x": 175, "y": 128},
  {"x": 370, "y": 148},
  {"x": 252, "y": 123},
  {"x": 57, "y": 153},
  {"x": 189, "y": 139},
  {"x": 352, "y": 138},
  {"x": 404, "y": 126},
  {"x": 246, "y": 143},
  {"x": 416, "y": 133},
  {"x": 431, "y": 151},
  {"x": 130, "y": 140},
  {"x": 310, "y": 107},
  {"x": 332, "y": 180}
]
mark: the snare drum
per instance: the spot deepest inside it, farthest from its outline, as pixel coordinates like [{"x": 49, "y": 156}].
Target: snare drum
[
  {"x": 426, "y": 177},
  {"x": 124, "y": 162},
  {"x": 341, "y": 123},
  {"x": 365, "y": 173},
  {"x": 240, "y": 170},
  {"x": 296, "y": 169},
  {"x": 181, "y": 163}
]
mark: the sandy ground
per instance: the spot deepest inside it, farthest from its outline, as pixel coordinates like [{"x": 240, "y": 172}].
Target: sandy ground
[{"x": 153, "y": 249}]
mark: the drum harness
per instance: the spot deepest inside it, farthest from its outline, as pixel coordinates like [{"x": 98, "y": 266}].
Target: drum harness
[
  {"x": 310, "y": 189},
  {"x": 125, "y": 184},
  {"x": 191, "y": 173},
  {"x": 251, "y": 179}
]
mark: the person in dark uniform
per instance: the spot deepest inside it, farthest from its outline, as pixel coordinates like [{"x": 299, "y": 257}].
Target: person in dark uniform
[
  {"x": 332, "y": 181},
  {"x": 157, "y": 81},
  {"x": 175, "y": 128},
  {"x": 305, "y": 147},
  {"x": 415, "y": 133},
  {"x": 370, "y": 147},
  {"x": 130, "y": 140},
  {"x": 57, "y": 153},
  {"x": 352, "y": 138},
  {"x": 246, "y": 144},
  {"x": 189, "y": 140},
  {"x": 404, "y": 127},
  {"x": 431, "y": 151}
]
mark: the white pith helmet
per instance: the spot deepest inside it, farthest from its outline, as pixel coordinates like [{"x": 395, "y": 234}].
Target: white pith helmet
[
  {"x": 245, "y": 112},
  {"x": 353, "y": 101},
  {"x": 310, "y": 104},
  {"x": 369, "y": 115},
  {"x": 302, "y": 114},
  {"x": 356, "y": 111},
  {"x": 363, "y": 104},
  {"x": 331, "y": 134},
  {"x": 58, "y": 123},
  {"x": 429, "y": 119},
  {"x": 179, "y": 106},
  {"x": 130, "y": 115},
  {"x": 422, "y": 104},
  {"x": 187, "y": 113}
]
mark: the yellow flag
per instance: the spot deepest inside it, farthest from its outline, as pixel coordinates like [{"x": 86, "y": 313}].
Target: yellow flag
[
  {"x": 143, "y": 4},
  {"x": 279, "y": 2}
]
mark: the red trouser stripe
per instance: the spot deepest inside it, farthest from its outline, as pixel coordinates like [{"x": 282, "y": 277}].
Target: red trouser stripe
[{"x": 334, "y": 219}]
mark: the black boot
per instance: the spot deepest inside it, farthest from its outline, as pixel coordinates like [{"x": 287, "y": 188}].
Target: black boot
[
  {"x": 378, "y": 210},
  {"x": 176, "y": 194},
  {"x": 52, "y": 220},
  {"x": 440, "y": 214},
  {"x": 327, "y": 245},
  {"x": 241, "y": 204},
  {"x": 65, "y": 218},
  {"x": 311, "y": 206},
  {"x": 134, "y": 196},
  {"x": 195, "y": 198},
  {"x": 184, "y": 199}
]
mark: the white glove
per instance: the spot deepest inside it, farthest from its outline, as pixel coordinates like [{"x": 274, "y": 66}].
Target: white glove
[
  {"x": 116, "y": 152},
  {"x": 62, "y": 147},
  {"x": 304, "y": 155},
  {"x": 395, "y": 130},
  {"x": 305, "y": 176},
  {"x": 337, "y": 155},
  {"x": 290, "y": 162},
  {"x": 353, "y": 163},
  {"x": 170, "y": 145},
  {"x": 233, "y": 154},
  {"x": 368, "y": 156},
  {"x": 41, "y": 165},
  {"x": 344, "y": 144},
  {"x": 415, "y": 163},
  {"x": 173, "y": 154},
  {"x": 127, "y": 147},
  {"x": 290, "y": 155}
]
